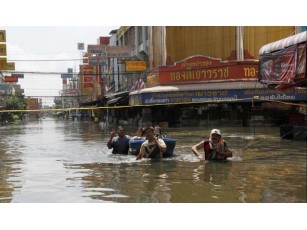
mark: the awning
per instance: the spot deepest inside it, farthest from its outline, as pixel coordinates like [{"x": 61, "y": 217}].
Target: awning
[
  {"x": 204, "y": 86},
  {"x": 283, "y": 43},
  {"x": 216, "y": 93},
  {"x": 116, "y": 95},
  {"x": 119, "y": 101},
  {"x": 90, "y": 103},
  {"x": 118, "y": 98},
  {"x": 113, "y": 101}
]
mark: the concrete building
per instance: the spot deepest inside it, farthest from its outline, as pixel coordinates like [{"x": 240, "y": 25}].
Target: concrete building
[
  {"x": 237, "y": 47},
  {"x": 190, "y": 75}
]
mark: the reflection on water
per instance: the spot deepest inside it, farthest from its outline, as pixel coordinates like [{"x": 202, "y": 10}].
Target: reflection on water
[{"x": 67, "y": 161}]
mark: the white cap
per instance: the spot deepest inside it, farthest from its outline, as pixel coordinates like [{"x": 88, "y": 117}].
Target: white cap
[{"x": 216, "y": 131}]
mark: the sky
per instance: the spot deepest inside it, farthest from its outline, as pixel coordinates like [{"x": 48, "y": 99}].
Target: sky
[
  {"x": 40, "y": 43},
  {"x": 51, "y": 30}
]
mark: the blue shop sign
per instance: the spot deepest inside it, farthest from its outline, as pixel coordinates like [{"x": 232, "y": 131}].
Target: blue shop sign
[{"x": 225, "y": 95}]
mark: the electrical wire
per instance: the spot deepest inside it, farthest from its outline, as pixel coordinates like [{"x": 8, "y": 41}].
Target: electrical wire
[{"x": 42, "y": 60}]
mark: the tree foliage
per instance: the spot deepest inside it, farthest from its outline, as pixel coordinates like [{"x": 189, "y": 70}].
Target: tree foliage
[{"x": 15, "y": 103}]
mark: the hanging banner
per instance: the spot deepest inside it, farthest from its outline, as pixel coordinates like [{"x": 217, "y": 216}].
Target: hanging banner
[
  {"x": 301, "y": 62},
  {"x": 285, "y": 67},
  {"x": 278, "y": 67}
]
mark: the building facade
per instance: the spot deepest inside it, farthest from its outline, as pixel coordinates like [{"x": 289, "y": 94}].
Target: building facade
[
  {"x": 193, "y": 75},
  {"x": 173, "y": 93}
]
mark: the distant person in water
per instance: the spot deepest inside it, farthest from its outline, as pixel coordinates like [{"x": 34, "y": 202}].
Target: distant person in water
[
  {"x": 153, "y": 147},
  {"x": 158, "y": 131},
  {"x": 119, "y": 142},
  {"x": 214, "y": 148},
  {"x": 139, "y": 134}
]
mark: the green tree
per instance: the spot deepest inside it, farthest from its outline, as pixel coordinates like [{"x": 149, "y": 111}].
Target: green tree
[{"x": 13, "y": 102}]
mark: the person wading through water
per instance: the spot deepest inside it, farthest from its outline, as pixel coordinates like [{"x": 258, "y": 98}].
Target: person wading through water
[
  {"x": 214, "y": 148},
  {"x": 119, "y": 142},
  {"x": 153, "y": 147}
]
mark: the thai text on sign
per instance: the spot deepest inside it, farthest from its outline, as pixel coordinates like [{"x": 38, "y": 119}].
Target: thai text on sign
[
  {"x": 202, "y": 69},
  {"x": 135, "y": 66}
]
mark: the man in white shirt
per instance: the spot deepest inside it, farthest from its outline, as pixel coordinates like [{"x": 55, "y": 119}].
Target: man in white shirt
[{"x": 153, "y": 147}]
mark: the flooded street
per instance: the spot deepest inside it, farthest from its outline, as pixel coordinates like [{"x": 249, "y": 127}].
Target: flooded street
[{"x": 53, "y": 161}]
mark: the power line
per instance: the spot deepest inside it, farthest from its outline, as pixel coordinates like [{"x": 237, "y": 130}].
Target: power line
[
  {"x": 92, "y": 74},
  {"x": 30, "y": 60},
  {"x": 60, "y": 52}
]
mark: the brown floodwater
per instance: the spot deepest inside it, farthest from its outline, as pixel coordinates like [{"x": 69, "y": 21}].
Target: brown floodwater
[{"x": 55, "y": 161}]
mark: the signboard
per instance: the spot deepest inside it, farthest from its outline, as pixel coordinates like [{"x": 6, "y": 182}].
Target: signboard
[
  {"x": 2, "y": 63},
  {"x": 110, "y": 51},
  {"x": 135, "y": 66},
  {"x": 18, "y": 75},
  {"x": 152, "y": 78},
  {"x": 97, "y": 60},
  {"x": 32, "y": 103},
  {"x": 80, "y": 46},
  {"x": 18, "y": 89},
  {"x": 231, "y": 95},
  {"x": 97, "y": 49},
  {"x": 10, "y": 66},
  {"x": 85, "y": 60},
  {"x": 88, "y": 85},
  {"x": 11, "y": 79},
  {"x": 87, "y": 78},
  {"x": 205, "y": 69},
  {"x": 90, "y": 77},
  {"x": 2, "y": 49},
  {"x": 66, "y": 75},
  {"x": 118, "y": 51},
  {"x": 283, "y": 67},
  {"x": 301, "y": 62},
  {"x": 5, "y": 89},
  {"x": 71, "y": 91},
  {"x": 2, "y": 36},
  {"x": 278, "y": 67}
]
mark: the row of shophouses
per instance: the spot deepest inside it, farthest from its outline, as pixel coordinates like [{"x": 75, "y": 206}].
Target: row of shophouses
[
  {"x": 181, "y": 76},
  {"x": 9, "y": 88},
  {"x": 13, "y": 89}
]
